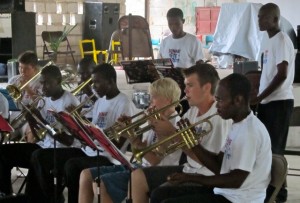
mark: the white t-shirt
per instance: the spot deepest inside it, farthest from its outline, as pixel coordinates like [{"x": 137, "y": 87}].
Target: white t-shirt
[
  {"x": 184, "y": 52},
  {"x": 213, "y": 142},
  {"x": 105, "y": 114},
  {"x": 277, "y": 49},
  {"x": 169, "y": 160},
  {"x": 66, "y": 100},
  {"x": 248, "y": 148},
  {"x": 4, "y": 107}
]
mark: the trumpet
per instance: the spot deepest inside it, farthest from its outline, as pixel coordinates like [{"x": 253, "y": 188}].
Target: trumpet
[
  {"x": 185, "y": 136},
  {"x": 134, "y": 129},
  {"x": 16, "y": 92}
]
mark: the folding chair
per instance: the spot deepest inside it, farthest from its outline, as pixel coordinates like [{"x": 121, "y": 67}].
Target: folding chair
[
  {"x": 88, "y": 47},
  {"x": 278, "y": 175},
  {"x": 294, "y": 122},
  {"x": 50, "y": 36}
]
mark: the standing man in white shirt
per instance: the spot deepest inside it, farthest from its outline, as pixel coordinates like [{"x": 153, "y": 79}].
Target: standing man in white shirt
[
  {"x": 184, "y": 49},
  {"x": 275, "y": 97}
]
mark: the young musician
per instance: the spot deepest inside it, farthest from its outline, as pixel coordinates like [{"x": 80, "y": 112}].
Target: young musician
[
  {"x": 114, "y": 179},
  {"x": 242, "y": 169},
  {"x": 110, "y": 105},
  {"x": 200, "y": 81},
  {"x": 19, "y": 154},
  {"x": 84, "y": 70},
  {"x": 28, "y": 68}
]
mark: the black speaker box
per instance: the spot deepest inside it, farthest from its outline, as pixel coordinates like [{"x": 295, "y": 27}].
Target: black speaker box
[
  {"x": 8, "y": 6},
  {"x": 100, "y": 20}
]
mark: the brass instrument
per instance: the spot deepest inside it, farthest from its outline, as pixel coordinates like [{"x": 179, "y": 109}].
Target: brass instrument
[
  {"x": 185, "y": 136},
  {"x": 16, "y": 92},
  {"x": 134, "y": 129},
  {"x": 20, "y": 120},
  {"x": 81, "y": 86},
  {"x": 41, "y": 132}
]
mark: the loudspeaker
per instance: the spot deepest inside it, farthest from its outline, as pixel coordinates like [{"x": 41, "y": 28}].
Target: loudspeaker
[
  {"x": 8, "y": 6},
  {"x": 100, "y": 20},
  {"x": 245, "y": 66}
]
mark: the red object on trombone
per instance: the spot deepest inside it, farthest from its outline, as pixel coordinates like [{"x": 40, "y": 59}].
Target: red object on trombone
[{"x": 4, "y": 125}]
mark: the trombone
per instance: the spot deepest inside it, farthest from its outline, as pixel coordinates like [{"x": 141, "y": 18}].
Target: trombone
[
  {"x": 41, "y": 132},
  {"x": 20, "y": 120},
  {"x": 16, "y": 92},
  {"x": 81, "y": 86},
  {"x": 185, "y": 136},
  {"x": 134, "y": 129}
]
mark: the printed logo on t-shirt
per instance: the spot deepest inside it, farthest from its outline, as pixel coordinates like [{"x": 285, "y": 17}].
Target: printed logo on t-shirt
[
  {"x": 265, "y": 59},
  {"x": 101, "y": 120},
  {"x": 227, "y": 152},
  {"x": 49, "y": 117},
  {"x": 174, "y": 55}
]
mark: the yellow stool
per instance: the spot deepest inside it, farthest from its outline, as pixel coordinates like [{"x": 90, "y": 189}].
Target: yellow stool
[{"x": 92, "y": 51}]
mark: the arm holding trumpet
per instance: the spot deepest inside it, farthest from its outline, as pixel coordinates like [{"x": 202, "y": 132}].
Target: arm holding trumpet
[{"x": 243, "y": 162}]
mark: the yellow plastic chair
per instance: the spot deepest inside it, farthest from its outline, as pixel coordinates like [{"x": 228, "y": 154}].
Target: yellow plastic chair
[
  {"x": 115, "y": 51},
  {"x": 90, "y": 43}
]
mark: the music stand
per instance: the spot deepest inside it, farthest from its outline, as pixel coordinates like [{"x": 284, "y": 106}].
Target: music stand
[{"x": 75, "y": 128}]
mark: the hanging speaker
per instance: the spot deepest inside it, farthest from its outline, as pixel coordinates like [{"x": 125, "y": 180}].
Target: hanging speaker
[{"x": 8, "y": 6}]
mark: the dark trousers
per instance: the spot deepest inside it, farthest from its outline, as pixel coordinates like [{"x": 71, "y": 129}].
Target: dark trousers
[
  {"x": 276, "y": 117},
  {"x": 42, "y": 161},
  {"x": 73, "y": 168},
  {"x": 15, "y": 155},
  {"x": 186, "y": 194}
]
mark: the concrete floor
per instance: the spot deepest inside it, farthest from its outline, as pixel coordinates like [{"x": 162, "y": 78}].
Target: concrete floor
[{"x": 293, "y": 161}]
